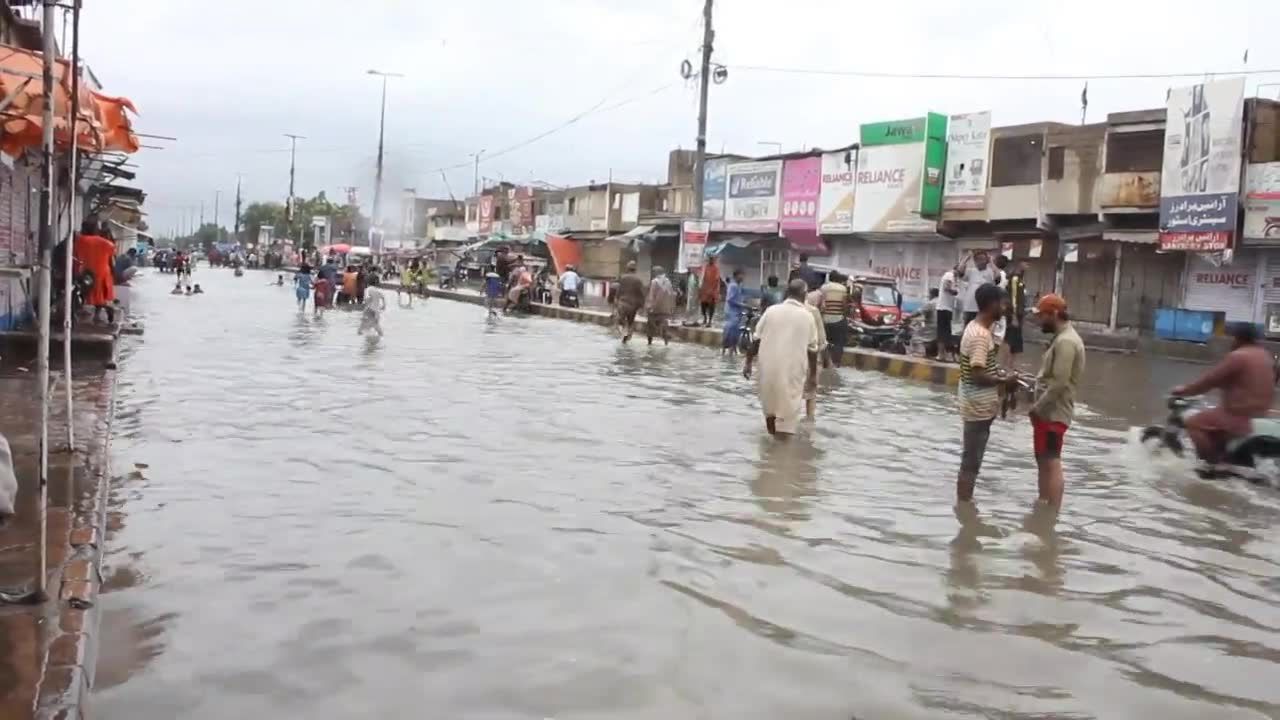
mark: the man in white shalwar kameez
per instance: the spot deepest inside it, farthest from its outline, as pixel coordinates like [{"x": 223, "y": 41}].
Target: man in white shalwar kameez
[{"x": 787, "y": 344}]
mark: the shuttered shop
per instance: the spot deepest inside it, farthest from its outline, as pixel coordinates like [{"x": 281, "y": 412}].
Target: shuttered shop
[
  {"x": 917, "y": 266},
  {"x": 1226, "y": 288}
]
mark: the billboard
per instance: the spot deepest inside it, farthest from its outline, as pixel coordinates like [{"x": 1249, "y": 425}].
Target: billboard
[
  {"x": 968, "y": 153},
  {"x": 835, "y": 197},
  {"x": 693, "y": 244},
  {"x": 1200, "y": 175},
  {"x": 889, "y": 182},
  {"x": 1262, "y": 204},
  {"x": 486, "y": 214},
  {"x": 801, "y": 185},
  {"x": 752, "y": 197},
  {"x": 713, "y": 189}
]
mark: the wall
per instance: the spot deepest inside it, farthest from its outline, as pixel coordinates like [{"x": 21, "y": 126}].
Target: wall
[
  {"x": 17, "y": 246},
  {"x": 1081, "y": 156}
]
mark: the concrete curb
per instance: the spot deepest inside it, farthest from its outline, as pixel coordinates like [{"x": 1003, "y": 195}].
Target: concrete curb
[
  {"x": 900, "y": 366},
  {"x": 71, "y": 658}
]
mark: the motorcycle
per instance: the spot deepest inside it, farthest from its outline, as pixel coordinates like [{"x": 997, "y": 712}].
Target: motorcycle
[
  {"x": 1254, "y": 457},
  {"x": 81, "y": 284},
  {"x": 447, "y": 279},
  {"x": 900, "y": 343},
  {"x": 543, "y": 292},
  {"x": 569, "y": 298},
  {"x": 871, "y": 337},
  {"x": 746, "y": 329}
]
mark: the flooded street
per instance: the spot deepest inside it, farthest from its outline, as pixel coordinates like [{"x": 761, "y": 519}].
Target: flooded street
[{"x": 522, "y": 519}]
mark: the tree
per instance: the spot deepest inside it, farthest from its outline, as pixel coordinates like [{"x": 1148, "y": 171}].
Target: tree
[
  {"x": 259, "y": 214},
  {"x": 345, "y": 219}
]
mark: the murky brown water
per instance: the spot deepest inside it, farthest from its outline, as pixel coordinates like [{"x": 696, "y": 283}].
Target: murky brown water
[{"x": 522, "y": 520}]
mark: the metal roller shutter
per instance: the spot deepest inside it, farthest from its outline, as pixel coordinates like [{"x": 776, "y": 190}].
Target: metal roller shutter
[{"x": 1227, "y": 288}]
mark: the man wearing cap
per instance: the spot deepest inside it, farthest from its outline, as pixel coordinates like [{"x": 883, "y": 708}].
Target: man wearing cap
[{"x": 1059, "y": 378}]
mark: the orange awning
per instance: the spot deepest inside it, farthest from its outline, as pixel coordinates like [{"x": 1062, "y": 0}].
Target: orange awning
[{"x": 102, "y": 123}]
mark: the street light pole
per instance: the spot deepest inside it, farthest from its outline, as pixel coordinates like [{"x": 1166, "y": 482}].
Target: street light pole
[
  {"x": 217, "y": 227},
  {"x": 293, "y": 153},
  {"x": 476, "y": 173},
  {"x": 704, "y": 78},
  {"x": 382, "y": 131}
]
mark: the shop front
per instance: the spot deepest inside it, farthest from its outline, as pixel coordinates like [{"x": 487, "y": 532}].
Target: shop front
[
  {"x": 917, "y": 264},
  {"x": 1215, "y": 284}
]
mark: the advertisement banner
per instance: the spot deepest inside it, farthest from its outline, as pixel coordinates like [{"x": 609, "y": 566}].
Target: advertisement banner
[
  {"x": 1200, "y": 176},
  {"x": 968, "y": 150},
  {"x": 889, "y": 182},
  {"x": 835, "y": 198},
  {"x": 801, "y": 186},
  {"x": 1262, "y": 204},
  {"x": 893, "y": 132},
  {"x": 524, "y": 217},
  {"x": 713, "y": 191},
  {"x": 486, "y": 214},
  {"x": 693, "y": 244},
  {"x": 752, "y": 204},
  {"x": 1195, "y": 241}
]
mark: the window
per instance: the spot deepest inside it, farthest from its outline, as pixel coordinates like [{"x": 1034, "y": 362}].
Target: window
[
  {"x": 1141, "y": 151},
  {"x": 573, "y": 206},
  {"x": 617, "y": 201},
  {"x": 1015, "y": 160},
  {"x": 1057, "y": 162}
]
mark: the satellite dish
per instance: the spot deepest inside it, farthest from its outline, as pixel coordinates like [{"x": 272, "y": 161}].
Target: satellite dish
[
  {"x": 720, "y": 74},
  {"x": 686, "y": 69}
]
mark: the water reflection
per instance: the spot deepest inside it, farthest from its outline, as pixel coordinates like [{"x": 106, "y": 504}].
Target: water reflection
[{"x": 519, "y": 517}]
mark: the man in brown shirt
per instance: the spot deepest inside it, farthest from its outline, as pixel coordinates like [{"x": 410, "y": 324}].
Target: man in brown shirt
[
  {"x": 630, "y": 298},
  {"x": 1246, "y": 377}
]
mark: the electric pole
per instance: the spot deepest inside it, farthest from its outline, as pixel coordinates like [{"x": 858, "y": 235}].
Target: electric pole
[
  {"x": 237, "y": 223},
  {"x": 476, "y": 172},
  {"x": 704, "y": 84},
  {"x": 44, "y": 279},
  {"x": 201, "y": 225},
  {"x": 217, "y": 226},
  {"x": 293, "y": 151},
  {"x": 382, "y": 131}
]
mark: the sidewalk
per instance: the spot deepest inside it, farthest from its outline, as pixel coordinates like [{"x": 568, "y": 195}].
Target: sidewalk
[
  {"x": 48, "y": 650},
  {"x": 902, "y": 366}
]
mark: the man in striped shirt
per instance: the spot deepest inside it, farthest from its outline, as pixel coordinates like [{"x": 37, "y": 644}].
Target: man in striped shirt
[{"x": 980, "y": 379}]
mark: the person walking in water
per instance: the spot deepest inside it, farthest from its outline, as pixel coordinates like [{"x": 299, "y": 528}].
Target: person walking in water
[
  {"x": 734, "y": 306},
  {"x": 631, "y": 297},
  {"x": 659, "y": 306},
  {"x": 302, "y": 286},
  {"x": 371, "y": 317},
  {"x": 709, "y": 291},
  {"x": 787, "y": 343}
]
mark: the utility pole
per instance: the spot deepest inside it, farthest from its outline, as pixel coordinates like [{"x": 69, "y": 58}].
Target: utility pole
[
  {"x": 201, "y": 225},
  {"x": 44, "y": 276},
  {"x": 704, "y": 84},
  {"x": 293, "y": 151},
  {"x": 217, "y": 226},
  {"x": 382, "y": 131},
  {"x": 237, "y": 222},
  {"x": 476, "y": 173}
]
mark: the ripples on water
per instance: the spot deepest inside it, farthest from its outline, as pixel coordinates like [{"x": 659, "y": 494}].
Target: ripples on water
[{"x": 521, "y": 519}]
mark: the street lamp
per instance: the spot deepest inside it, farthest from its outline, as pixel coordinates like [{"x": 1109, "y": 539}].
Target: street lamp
[{"x": 382, "y": 130}]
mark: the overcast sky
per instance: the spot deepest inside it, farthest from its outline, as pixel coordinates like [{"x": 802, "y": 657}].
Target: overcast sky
[{"x": 228, "y": 78}]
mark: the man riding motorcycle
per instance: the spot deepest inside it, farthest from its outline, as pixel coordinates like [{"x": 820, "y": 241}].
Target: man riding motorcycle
[{"x": 1246, "y": 377}]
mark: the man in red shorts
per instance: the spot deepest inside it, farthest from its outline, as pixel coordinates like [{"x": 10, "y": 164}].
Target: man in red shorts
[{"x": 1059, "y": 378}]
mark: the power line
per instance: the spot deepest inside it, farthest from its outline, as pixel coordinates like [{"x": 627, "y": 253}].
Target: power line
[{"x": 961, "y": 76}]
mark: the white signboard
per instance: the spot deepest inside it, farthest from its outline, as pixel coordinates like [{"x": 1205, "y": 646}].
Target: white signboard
[
  {"x": 968, "y": 153},
  {"x": 693, "y": 244},
  {"x": 1200, "y": 177},
  {"x": 835, "y": 199},
  {"x": 888, "y": 189},
  {"x": 1262, "y": 204},
  {"x": 752, "y": 197}
]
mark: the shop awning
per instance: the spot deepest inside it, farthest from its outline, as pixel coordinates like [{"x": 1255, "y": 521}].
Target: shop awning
[
  {"x": 102, "y": 121},
  {"x": 806, "y": 241},
  {"x": 1143, "y": 237},
  {"x": 738, "y": 241},
  {"x": 635, "y": 232},
  {"x": 911, "y": 237}
]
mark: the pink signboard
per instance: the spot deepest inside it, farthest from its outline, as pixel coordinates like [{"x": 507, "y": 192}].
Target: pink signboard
[{"x": 801, "y": 185}]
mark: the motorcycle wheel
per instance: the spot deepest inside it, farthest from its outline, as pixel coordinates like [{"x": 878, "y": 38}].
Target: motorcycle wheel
[
  {"x": 1263, "y": 455},
  {"x": 744, "y": 342},
  {"x": 1166, "y": 439}
]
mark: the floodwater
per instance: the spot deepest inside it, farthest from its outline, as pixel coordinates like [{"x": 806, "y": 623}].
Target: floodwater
[{"x": 521, "y": 519}]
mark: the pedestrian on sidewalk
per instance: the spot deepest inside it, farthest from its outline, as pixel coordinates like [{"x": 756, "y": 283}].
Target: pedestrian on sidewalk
[
  {"x": 786, "y": 340},
  {"x": 709, "y": 291},
  {"x": 976, "y": 271},
  {"x": 734, "y": 306},
  {"x": 948, "y": 296},
  {"x": 630, "y": 298},
  {"x": 980, "y": 381},
  {"x": 1051, "y": 415},
  {"x": 95, "y": 254},
  {"x": 659, "y": 306}
]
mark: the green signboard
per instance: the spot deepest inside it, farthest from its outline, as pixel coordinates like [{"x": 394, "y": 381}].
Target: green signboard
[
  {"x": 935, "y": 161},
  {"x": 893, "y": 132}
]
